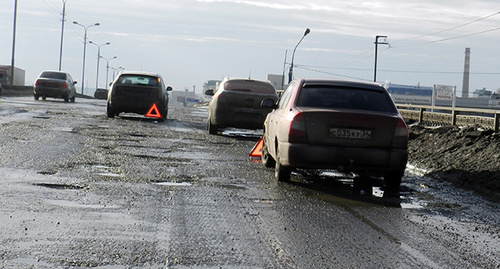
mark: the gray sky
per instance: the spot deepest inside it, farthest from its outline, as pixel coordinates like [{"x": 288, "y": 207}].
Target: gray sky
[{"x": 189, "y": 42}]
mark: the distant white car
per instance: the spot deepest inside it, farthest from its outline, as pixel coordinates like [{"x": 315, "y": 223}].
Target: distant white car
[{"x": 55, "y": 84}]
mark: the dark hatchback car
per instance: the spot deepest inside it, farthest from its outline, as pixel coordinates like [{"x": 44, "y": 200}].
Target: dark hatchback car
[
  {"x": 137, "y": 92},
  {"x": 55, "y": 84},
  {"x": 335, "y": 124},
  {"x": 236, "y": 103}
]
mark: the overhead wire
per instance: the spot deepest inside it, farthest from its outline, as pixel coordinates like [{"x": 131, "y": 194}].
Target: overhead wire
[
  {"x": 455, "y": 27},
  {"x": 358, "y": 57}
]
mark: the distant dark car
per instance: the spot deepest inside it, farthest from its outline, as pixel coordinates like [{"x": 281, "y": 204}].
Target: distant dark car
[
  {"x": 55, "y": 84},
  {"x": 236, "y": 103},
  {"x": 335, "y": 124},
  {"x": 101, "y": 94},
  {"x": 136, "y": 92}
]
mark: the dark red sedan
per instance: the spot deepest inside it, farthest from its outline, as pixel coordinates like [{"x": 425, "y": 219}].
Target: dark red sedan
[{"x": 336, "y": 124}]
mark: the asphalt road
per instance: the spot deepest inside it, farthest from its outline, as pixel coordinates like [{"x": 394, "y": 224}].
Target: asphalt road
[{"x": 80, "y": 190}]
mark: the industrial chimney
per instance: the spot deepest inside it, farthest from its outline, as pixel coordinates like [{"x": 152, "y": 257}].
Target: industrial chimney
[{"x": 465, "y": 84}]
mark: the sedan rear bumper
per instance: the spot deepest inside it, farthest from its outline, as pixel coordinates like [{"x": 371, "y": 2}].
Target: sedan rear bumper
[
  {"x": 344, "y": 159},
  {"x": 51, "y": 92},
  {"x": 140, "y": 106},
  {"x": 239, "y": 118}
]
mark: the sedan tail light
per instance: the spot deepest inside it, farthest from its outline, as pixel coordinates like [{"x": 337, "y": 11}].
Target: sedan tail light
[
  {"x": 221, "y": 98},
  {"x": 400, "y": 139},
  {"x": 36, "y": 82},
  {"x": 297, "y": 131}
]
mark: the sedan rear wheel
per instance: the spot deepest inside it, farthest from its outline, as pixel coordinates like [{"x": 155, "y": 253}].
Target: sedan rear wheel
[
  {"x": 212, "y": 129},
  {"x": 392, "y": 183},
  {"x": 281, "y": 172},
  {"x": 267, "y": 159},
  {"x": 109, "y": 110}
]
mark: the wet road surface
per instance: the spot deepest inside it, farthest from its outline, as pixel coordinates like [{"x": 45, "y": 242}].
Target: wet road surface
[{"x": 80, "y": 190}]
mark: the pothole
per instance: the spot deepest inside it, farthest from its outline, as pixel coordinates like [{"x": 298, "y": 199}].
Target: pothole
[
  {"x": 47, "y": 173},
  {"x": 59, "y": 186},
  {"x": 174, "y": 184}
]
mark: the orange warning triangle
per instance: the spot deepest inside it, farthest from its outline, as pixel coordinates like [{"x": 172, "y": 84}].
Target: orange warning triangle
[
  {"x": 257, "y": 149},
  {"x": 153, "y": 112}
]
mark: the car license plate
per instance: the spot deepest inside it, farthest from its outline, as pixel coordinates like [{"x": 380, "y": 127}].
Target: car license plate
[{"x": 350, "y": 133}]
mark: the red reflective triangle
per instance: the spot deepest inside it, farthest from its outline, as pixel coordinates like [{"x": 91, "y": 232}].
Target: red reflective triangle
[
  {"x": 257, "y": 149},
  {"x": 154, "y": 112}
]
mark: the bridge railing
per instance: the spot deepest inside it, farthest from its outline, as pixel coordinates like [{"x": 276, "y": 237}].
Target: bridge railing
[{"x": 433, "y": 115}]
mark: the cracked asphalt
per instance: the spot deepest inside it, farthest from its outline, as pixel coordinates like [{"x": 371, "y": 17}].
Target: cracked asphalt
[{"x": 79, "y": 190}]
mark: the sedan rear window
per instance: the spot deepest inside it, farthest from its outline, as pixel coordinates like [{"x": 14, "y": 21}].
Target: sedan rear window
[
  {"x": 345, "y": 98},
  {"x": 249, "y": 86},
  {"x": 55, "y": 75},
  {"x": 139, "y": 80}
]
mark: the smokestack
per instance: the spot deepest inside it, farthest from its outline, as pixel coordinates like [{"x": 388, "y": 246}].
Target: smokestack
[{"x": 465, "y": 84}]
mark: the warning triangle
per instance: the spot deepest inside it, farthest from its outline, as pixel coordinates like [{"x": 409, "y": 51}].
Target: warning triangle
[
  {"x": 257, "y": 149},
  {"x": 153, "y": 112}
]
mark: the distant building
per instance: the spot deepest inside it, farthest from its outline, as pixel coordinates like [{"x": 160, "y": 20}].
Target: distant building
[{"x": 482, "y": 93}]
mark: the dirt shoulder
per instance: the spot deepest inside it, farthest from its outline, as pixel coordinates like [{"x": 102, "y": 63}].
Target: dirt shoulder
[{"x": 468, "y": 157}]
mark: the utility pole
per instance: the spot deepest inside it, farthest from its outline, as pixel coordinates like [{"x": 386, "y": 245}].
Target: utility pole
[
  {"x": 62, "y": 33},
  {"x": 376, "y": 50}
]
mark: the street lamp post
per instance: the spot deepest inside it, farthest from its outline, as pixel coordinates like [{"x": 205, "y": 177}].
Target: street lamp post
[
  {"x": 107, "y": 67},
  {"x": 84, "y": 48},
  {"x": 118, "y": 69},
  {"x": 376, "y": 50},
  {"x": 98, "y": 58},
  {"x": 290, "y": 73},
  {"x": 12, "y": 63}
]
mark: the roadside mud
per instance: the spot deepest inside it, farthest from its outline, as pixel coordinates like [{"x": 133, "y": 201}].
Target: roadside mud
[{"x": 468, "y": 157}]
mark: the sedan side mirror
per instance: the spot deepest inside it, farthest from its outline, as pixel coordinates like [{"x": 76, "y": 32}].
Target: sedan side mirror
[
  {"x": 268, "y": 103},
  {"x": 169, "y": 89}
]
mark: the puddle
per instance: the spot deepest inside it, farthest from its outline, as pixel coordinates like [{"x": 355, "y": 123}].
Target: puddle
[
  {"x": 103, "y": 170},
  {"x": 412, "y": 204},
  {"x": 64, "y": 129},
  {"x": 242, "y": 132}
]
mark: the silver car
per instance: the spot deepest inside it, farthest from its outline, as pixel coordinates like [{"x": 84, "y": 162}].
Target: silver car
[
  {"x": 55, "y": 84},
  {"x": 336, "y": 124},
  {"x": 236, "y": 103}
]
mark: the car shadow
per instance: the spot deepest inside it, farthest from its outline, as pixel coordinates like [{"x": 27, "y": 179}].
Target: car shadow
[
  {"x": 340, "y": 188},
  {"x": 140, "y": 118}
]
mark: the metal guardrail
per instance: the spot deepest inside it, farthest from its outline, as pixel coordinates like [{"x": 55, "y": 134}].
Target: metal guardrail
[{"x": 486, "y": 118}]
